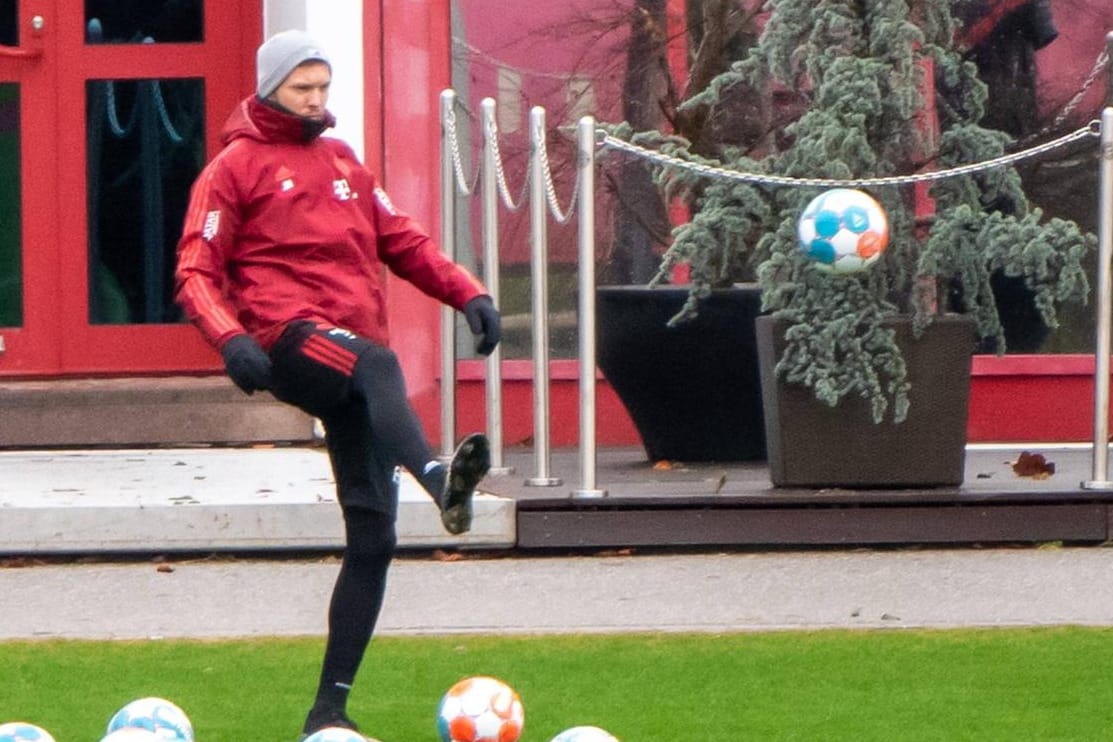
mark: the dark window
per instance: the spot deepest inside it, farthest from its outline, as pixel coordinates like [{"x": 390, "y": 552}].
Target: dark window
[
  {"x": 143, "y": 21},
  {"x": 145, "y": 146}
]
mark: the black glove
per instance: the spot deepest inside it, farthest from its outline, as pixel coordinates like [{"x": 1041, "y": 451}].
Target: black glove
[
  {"x": 247, "y": 363},
  {"x": 483, "y": 320}
]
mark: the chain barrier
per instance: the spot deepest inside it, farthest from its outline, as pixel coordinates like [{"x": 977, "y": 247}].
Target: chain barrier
[
  {"x": 500, "y": 172},
  {"x": 457, "y": 158},
  {"x": 605, "y": 139},
  {"x": 560, "y": 215},
  {"x": 1095, "y": 72},
  {"x": 539, "y": 190}
]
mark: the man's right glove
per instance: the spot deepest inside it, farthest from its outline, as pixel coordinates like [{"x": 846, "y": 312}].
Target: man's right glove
[
  {"x": 248, "y": 365},
  {"x": 484, "y": 323}
]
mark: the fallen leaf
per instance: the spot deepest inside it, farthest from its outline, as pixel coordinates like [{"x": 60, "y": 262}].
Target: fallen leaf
[
  {"x": 1033, "y": 465},
  {"x": 164, "y": 568},
  {"x": 662, "y": 465},
  {"x": 615, "y": 552}
]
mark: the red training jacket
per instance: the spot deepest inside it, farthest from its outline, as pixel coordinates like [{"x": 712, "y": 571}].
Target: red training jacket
[{"x": 287, "y": 225}]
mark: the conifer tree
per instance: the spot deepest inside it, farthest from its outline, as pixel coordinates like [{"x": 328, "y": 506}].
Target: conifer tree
[{"x": 852, "y": 89}]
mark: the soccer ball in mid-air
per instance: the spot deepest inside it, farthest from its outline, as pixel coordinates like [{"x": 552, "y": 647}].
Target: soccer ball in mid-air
[
  {"x": 480, "y": 709},
  {"x": 843, "y": 230},
  {"x": 131, "y": 734},
  {"x": 21, "y": 731},
  {"x": 156, "y": 715},
  {"x": 338, "y": 734},
  {"x": 584, "y": 734}
]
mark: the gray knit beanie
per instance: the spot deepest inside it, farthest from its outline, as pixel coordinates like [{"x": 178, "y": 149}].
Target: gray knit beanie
[{"x": 280, "y": 54}]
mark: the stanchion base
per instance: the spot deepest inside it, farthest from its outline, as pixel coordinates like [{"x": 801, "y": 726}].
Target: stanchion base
[
  {"x": 588, "y": 494},
  {"x": 544, "y": 482},
  {"x": 500, "y": 471},
  {"x": 1097, "y": 485}
]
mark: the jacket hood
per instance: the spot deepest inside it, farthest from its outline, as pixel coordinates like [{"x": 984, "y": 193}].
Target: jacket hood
[{"x": 257, "y": 119}]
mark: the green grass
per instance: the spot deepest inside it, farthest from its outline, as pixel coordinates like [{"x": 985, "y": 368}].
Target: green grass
[{"x": 1004, "y": 684}]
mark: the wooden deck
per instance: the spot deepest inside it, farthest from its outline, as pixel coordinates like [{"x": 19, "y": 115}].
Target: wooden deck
[{"x": 734, "y": 505}]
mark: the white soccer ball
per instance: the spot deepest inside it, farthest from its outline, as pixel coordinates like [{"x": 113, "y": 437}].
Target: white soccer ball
[
  {"x": 156, "y": 715},
  {"x": 480, "y": 709},
  {"x": 131, "y": 734},
  {"x": 21, "y": 731},
  {"x": 337, "y": 734},
  {"x": 843, "y": 231},
  {"x": 584, "y": 734}
]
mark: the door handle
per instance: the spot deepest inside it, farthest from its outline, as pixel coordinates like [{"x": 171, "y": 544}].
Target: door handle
[
  {"x": 8, "y": 52},
  {"x": 15, "y": 52}
]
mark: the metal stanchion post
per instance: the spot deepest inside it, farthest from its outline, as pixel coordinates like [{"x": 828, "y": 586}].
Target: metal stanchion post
[
  {"x": 1109, "y": 69},
  {"x": 448, "y": 239},
  {"x": 490, "y": 195},
  {"x": 538, "y": 209},
  {"x": 1100, "y": 478},
  {"x": 585, "y": 137}
]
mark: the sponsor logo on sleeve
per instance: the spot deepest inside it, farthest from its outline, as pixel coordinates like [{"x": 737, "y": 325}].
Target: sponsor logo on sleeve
[
  {"x": 384, "y": 201},
  {"x": 212, "y": 226}
]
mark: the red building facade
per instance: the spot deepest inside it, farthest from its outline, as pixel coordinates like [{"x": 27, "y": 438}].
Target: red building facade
[{"x": 107, "y": 109}]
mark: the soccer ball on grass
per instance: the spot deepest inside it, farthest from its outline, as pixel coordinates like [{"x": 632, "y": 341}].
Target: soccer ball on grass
[
  {"x": 480, "y": 709},
  {"x": 584, "y": 734},
  {"x": 337, "y": 734},
  {"x": 131, "y": 734},
  {"x": 21, "y": 731},
  {"x": 843, "y": 231},
  {"x": 157, "y": 715}
]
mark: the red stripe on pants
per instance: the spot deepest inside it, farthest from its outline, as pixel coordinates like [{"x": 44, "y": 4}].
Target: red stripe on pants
[{"x": 329, "y": 354}]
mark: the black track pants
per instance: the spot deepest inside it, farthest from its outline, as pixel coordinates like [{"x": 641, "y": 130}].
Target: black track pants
[{"x": 357, "y": 389}]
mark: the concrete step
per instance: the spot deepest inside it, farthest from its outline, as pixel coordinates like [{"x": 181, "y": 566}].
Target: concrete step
[
  {"x": 142, "y": 412},
  {"x": 215, "y": 499}
]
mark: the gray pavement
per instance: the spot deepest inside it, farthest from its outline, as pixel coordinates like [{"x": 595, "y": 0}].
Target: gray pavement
[
  {"x": 273, "y": 502},
  {"x": 720, "y": 592}
]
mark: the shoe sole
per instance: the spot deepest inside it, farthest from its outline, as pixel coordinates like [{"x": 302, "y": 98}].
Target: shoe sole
[{"x": 470, "y": 463}]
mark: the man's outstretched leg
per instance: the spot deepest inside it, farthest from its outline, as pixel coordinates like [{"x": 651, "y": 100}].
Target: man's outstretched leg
[
  {"x": 320, "y": 369},
  {"x": 377, "y": 379},
  {"x": 468, "y": 465}
]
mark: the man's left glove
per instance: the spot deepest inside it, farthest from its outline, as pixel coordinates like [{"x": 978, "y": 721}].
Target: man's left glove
[
  {"x": 484, "y": 322},
  {"x": 247, "y": 364}
]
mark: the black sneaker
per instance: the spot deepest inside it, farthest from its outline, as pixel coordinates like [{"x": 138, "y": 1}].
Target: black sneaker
[
  {"x": 326, "y": 719},
  {"x": 469, "y": 464}
]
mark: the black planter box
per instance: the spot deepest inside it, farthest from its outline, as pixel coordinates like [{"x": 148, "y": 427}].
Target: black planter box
[
  {"x": 693, "y": 391},
  {"x": 811, "y": 444}
]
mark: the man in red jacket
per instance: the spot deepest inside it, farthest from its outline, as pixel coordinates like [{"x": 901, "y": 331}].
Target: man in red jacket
[{"x": 281, "y": 266}]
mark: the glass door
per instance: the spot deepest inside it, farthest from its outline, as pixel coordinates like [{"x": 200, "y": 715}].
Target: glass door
[{"x": 135, "y": 93}]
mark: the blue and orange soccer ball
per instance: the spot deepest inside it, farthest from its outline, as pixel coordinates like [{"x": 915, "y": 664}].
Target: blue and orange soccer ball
[
  {"x": 843, "y": 231},
  {"x": 480, "y": 709}
]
